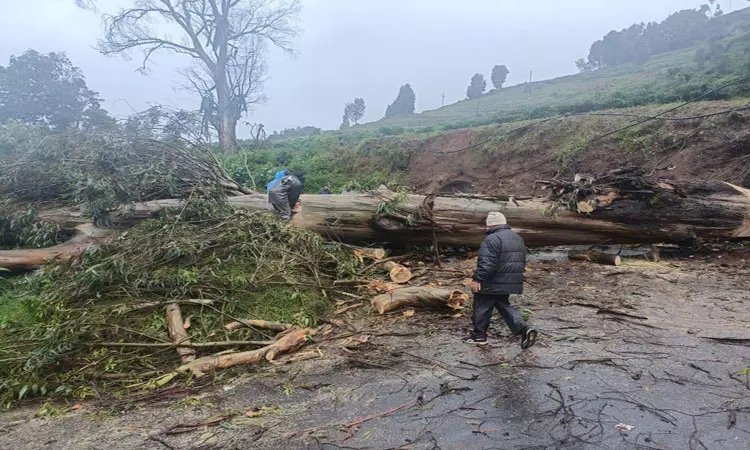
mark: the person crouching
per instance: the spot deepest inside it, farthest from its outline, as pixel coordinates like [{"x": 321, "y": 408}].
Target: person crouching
[{"x": 285, "y": 194}]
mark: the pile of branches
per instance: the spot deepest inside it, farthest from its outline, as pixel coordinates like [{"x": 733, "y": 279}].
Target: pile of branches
[
  {"x": 588, "y": 192},
  {"x": 202, "y": 280},
  {"x": 103, "y": 171}
]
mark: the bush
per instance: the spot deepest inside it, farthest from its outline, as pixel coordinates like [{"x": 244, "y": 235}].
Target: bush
[{"x": 390, "y": 131}]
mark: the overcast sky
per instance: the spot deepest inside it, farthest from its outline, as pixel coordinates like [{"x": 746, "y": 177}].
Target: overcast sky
[{"x": 352, "y": 48}]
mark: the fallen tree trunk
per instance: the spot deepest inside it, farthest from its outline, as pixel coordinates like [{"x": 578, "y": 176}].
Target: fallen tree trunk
[
  {"x": 593, "y": 256},
  {"x": 25, "y": 260},
  {"x": 643, "y": 212},
  {"x": 674, "y": 211},
  {"x": 426, "y": 297}
]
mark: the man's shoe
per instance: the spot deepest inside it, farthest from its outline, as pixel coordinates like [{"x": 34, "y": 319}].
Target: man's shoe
[
  {"x": 528, "y": 337},
  {"x": 471, "y": 339}
]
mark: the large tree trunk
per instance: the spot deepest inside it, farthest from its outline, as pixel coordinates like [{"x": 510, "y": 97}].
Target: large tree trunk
[
  {"x": 227, "y": 125},
  {"x": 675, "y": 211},
  {"x": 227, "y": 131}
]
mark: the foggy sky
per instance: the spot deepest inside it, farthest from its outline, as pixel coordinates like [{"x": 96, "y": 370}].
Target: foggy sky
[{"x": 351, "y": 48}]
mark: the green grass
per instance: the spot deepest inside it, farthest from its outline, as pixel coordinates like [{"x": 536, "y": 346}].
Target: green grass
[
  {"x": 376, "y": 153},
  {"x": 16, "y": 308}
]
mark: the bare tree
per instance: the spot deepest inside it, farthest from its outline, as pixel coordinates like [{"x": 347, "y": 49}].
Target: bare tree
[{"x": 226, "y": 40}]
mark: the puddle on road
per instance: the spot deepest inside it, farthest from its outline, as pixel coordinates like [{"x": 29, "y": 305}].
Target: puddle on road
[{"x": 561, "y": 253}]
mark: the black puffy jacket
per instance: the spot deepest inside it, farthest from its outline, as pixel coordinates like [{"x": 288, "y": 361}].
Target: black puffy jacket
[{"x": 502, "y": 259}]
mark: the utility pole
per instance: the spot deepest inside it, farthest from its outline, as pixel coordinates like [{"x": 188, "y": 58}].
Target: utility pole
[
  {"x": 531, "y": 76},
  {"x": 443, "y": 102}
]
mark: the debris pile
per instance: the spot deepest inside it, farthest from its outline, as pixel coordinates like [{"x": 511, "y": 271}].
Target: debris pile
[{"x": 192, "y": 292}]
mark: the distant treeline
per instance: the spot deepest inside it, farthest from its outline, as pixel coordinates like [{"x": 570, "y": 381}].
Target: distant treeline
[
  {"x": 640, "y": 41},
  {"x": 287, "y": 133}
]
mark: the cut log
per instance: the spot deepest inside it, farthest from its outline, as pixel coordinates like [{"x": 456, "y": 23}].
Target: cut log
[
  {"x": 371, "y": 253},
  {"x": 593, "y": 256},
  {"x": 288, "y": 342},
  {"x": 398, "y": 273},
  {"x": 426, "y": 297},
  {"x": 654, "y": 212},
  {"x": 254, "y": 323},
  {"x": 178, "y": 334}
]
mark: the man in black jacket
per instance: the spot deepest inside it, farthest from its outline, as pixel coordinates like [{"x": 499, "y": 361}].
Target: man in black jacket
[
  {"x": 499, "y": 274},
  {"x": 285, "y": 194}
]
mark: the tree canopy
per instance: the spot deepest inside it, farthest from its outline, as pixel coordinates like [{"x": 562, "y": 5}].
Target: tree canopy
[
  {"x": 49, "y": 90},
  {"x": 639, "y": 41},
  {"x": 499, "y": 76},
  {"x": 355, "y": 110},
  {"x": 404, "y": 103},
  {"x": 477, "y": 86},
  {"x": 225, "y": 40}
]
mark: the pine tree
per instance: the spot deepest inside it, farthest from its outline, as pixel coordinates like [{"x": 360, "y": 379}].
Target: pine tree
[
  {"x": 477, "y": 87},
  {"x": 404, "y": 103},
  {"x": 499, "y": 75}
]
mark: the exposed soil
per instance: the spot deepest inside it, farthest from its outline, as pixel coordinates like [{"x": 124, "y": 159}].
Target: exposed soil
[
  {"x": 506, "y": 159},
  {"x": 655, "y": 346}
]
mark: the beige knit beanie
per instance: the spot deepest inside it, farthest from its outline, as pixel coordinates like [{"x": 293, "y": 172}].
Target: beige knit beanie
[{"x": 495, "y": 219}]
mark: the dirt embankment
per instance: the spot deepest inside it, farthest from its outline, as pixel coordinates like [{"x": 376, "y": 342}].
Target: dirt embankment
[{"x": 508, "y": 158}]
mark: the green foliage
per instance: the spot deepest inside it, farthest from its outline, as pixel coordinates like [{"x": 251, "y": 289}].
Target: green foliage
[
  {"x": 477, "y": 86},
  {"x": 248, "y": 265},
  {"x": 49, "y": 90},
  {"x": 354, "y": 111},
  {"x": 391, "y": 131},
  {"x": 499, "y": 75},
  {"x": 640, "y": 139},
  {"x": 391, "y": 205},
  {"x": 288, "y": 133},
  {"x": 102, "y": 172},
  {"x": 404, "y": 103},
  {"x": 340, "y": 162},
  {"x": 575, "y": 147},
  {"x": 21, "y": 228},
  {"x": 640, "y": 41}
]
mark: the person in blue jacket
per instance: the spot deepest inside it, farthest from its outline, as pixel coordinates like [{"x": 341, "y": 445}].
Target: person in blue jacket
[
  {"x": 284, "y": 195},
  {"x": 279, "y": 175}
]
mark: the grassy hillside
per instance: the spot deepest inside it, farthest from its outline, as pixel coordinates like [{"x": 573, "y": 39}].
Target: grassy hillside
[
  {"x": 665, "y": 78},
  {"x": 388, "y": 151}
]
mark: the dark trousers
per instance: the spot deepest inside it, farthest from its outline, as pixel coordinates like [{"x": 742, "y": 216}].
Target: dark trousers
[
  {"x": 484, "y": 304},
  {"x": 280, "y": 203}
]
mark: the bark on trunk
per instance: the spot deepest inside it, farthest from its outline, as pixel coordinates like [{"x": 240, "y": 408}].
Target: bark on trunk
[
  {"x": 227, "y": 132},
  {"x": 664, "y": 211}
]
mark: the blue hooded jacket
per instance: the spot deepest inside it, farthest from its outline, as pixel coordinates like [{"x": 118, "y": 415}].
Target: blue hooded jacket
[{"x": 279, "y": 175}]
